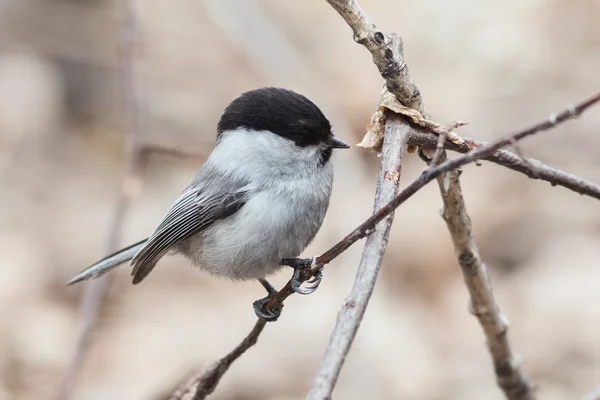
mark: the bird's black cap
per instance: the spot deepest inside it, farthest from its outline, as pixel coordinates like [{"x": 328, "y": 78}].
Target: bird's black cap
[{"x": 281, "y": 111}]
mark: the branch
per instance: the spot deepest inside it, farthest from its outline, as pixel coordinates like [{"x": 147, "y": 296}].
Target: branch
[
  {"x": 351, "y": 314},
  {"x": 482, "y": 304},
  {"x": 433, "y": 172},
  {"x": 531, "y": 167},
  {"x": 482, "y": 152},
  {"x": 206, "y": 382},
  {"x": 393, "y": 69},
  {"x": 94, "y": 292},
  {"x": 386, "y": 51},
  {"x": 387, "y": 55}
]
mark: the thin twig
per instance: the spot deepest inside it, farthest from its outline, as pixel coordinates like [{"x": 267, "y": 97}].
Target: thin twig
[
  {"x": 94, "y": 292},
  {"x": 441, "y": 141},
  {"x": 350, "y": 316},
  {"x": 387, "y": 55},
  {"x": 518, "y": 152},
  {"x": 206, "y": 382},
  {"x": 439, "y": 149},
  {"x": 531, "y": 167},
  {"x": 509, "y": 376}
]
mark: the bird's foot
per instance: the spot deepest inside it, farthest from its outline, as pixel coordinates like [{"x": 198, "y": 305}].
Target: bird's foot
[
  {"x": 299, "y": 264},
  {"x": 266, "y": 313},
  {"x": 261, "y": 308}
]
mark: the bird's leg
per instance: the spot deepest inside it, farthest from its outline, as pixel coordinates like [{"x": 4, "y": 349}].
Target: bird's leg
[
  {"x": 298, "y": 264},
  {"x": 268, "y": 287},
  {"x": 260, "y": 306}
]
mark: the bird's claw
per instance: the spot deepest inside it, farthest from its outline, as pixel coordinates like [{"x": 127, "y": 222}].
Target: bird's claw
[
  {"x": 315, "y": 281},
  {"x": 266, "y": 313}
]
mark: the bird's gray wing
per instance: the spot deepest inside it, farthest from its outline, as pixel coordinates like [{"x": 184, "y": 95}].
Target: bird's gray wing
[{"x": 194, "y": 211}]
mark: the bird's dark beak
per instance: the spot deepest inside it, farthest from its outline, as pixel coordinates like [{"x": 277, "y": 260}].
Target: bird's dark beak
[{"x": 336, "y": 143}]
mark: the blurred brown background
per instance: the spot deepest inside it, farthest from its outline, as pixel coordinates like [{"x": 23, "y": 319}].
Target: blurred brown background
[{"x": 64, "y": 127}]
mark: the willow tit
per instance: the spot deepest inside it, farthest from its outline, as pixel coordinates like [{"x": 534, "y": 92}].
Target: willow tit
[{"x": 260, "y": 197}]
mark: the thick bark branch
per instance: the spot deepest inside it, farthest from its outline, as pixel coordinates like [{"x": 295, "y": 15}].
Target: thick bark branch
[
  {"x": 386, "y": 50},
  {"x": 351, "y": 314},
  {"x": 387, "y": 56},
  {"x": 483, "y": 305}
]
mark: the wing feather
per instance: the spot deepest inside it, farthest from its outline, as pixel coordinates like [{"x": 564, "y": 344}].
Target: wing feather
[{"x": 191, "y": 213}]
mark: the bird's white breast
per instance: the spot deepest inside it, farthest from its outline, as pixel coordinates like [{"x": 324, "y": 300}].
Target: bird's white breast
[{"x": 288, "y": 199}]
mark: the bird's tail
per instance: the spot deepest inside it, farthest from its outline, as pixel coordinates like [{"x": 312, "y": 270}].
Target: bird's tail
[{"x": 108, "y": 263}]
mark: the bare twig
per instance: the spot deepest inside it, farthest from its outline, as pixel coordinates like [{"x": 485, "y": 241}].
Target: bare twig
[
  {"x": 518, "y": 152},
  {"x": 482, "y": 304},
  {"x": 442, "y": 137},
  {"x": 532, "y": 168},
  {"x": 350, "y": 316},
  {"x": 429, "y": 174},
  {"x": 94, "y": 292},
  {"x": 433, "y": 172},
  {"x": 206, "y": 382},
  {"x": 439, "y": 149},
  {"x": 387, "y": 56}
]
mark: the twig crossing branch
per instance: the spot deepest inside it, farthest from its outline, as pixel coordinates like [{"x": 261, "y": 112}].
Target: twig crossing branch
[
  {"x": 350, "y": 316},
  {"x": 386, "y": 51},
  {"x": 530, "y": 167}
]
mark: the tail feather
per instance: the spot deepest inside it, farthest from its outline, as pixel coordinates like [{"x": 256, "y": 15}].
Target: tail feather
[{"x": 108, "y": 263}]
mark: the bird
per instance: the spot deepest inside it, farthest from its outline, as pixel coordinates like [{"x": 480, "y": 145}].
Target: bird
[{"x": 255, "y": 204}]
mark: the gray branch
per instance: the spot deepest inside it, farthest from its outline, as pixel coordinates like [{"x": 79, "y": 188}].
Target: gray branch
[
  {"x": 387, "y": 52},
  {"x": 531, "y": 167},
  {"x": 351, "y": 314},
  {"x": 482, "y": 303}
]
